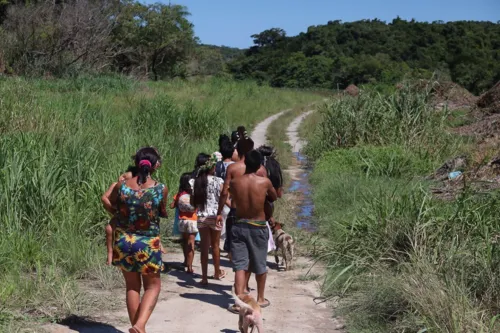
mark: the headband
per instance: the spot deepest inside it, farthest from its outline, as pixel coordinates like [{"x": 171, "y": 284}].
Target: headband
[{"x": 209, "y": 164}]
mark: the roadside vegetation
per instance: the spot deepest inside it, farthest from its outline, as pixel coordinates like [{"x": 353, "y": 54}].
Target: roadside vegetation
[
  {"x": 64, "y": 142},
  {"x": 400, "y": 259}
]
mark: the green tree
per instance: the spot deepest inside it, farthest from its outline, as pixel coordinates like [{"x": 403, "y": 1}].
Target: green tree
[{"x": 159, "y": 37}]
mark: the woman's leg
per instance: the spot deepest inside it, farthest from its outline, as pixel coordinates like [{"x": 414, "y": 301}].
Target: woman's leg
[
  {"x": 190, "y": 251},
  {"x": 133, "y": 286},
  {"x": 109, "y": 243},
  {"x": 152, "y": 287},
  {"x": 205, "y": 246},
  {"x": 185, "y": 237},
  {"x": 215, "y": 241}
]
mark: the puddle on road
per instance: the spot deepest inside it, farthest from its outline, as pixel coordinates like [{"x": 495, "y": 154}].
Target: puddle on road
[{"x": 302, "y": 188}]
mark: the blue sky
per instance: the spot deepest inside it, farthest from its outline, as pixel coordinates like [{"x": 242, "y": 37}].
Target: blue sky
[{"x": 232, "y": 22}]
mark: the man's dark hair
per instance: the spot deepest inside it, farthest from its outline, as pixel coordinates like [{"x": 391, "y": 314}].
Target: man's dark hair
[
  {"x": 252, "y": 161},
  {"x": 222, "y": 139},
  {"x": 226, "y": 149}
]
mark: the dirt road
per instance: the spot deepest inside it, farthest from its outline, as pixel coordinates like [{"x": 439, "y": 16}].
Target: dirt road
[{"x": 185, "y": 306}]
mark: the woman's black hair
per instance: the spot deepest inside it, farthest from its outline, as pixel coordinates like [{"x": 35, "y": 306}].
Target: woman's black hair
[
  {"x": 184, "y": 185},
  {"x": 272, "y": 166},
  {"x": 133, "y": 169},
  {"x": 244, "y": 144},
  {"x": 143, "y": 172},
  {"x": 200, "y": 194}
]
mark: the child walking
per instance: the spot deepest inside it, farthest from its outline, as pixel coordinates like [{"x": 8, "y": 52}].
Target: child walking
[{"x": 187, "y": 219}]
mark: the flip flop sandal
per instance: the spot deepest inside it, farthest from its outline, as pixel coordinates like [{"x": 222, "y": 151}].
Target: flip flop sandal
[
  {"x": 233, "y": 309},
  {"x": 223, "y": 275},
  {"x": 133, "y": 330},
  {"x": 265, "y": 305}
]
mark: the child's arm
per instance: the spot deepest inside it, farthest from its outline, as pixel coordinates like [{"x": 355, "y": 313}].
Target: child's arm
[
  {"x": 125, "y": 176},
  {"x": 163, "y": 203},
  {"x": 105, "y": 199},
  {"x": 174, "y": 202}
]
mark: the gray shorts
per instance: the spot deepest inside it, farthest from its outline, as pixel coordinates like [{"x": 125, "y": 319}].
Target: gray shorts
[{"x": 249, "y": 247}]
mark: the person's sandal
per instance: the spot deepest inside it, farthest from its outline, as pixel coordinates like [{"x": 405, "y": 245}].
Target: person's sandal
[
  {"x": 221, "y": 276},
  {"x": 265, "y": 305}
]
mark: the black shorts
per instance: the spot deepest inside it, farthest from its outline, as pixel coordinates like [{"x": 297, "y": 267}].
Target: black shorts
[{"x": 249, "y": 247}]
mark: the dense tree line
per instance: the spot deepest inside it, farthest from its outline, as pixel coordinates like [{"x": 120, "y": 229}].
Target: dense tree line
[
  {"x": 76, "y": 36},
  {"x": 369, "y": 51}
]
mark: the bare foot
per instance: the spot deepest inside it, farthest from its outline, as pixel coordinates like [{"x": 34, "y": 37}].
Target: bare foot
[
  {"x": 162, "y": 249},
  {"x": 135, "y": 330}
]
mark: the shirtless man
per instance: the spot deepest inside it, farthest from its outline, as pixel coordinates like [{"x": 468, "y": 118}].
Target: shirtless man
[
  {"x": 249, "y": 234},
  {"x": 243, "y": 145}
]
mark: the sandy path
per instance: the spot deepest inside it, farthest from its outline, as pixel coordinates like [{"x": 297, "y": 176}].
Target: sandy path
[
  {"x": 259, "y": 134},
  {"x": 186, "y": 307},
  {"x": 293, "y": 132}
]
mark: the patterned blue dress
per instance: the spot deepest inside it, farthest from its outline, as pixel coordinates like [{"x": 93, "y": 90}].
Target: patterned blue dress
[{"x": 137, "y": 241}]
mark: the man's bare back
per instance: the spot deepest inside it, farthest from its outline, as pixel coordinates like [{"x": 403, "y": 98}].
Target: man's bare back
[
  {"x": 249, "y": 193},
  {"x": 234, "y": 171}
]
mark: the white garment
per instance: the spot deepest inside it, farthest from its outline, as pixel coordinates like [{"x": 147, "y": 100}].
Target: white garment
[
  {"x": 214, "y": 186},
  {"x": 271, "y": 246}
]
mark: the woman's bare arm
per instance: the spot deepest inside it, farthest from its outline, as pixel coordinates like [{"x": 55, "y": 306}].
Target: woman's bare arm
[
  {"x": 105, "y": 199},
  {"x": 163, "y": 203}
]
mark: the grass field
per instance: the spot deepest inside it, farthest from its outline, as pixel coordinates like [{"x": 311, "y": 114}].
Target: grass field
[
  {"x": 399, "y": 259},
  {"x": 64, "y": 141}
]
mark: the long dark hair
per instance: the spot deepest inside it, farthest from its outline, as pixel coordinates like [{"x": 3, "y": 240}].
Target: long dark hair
[
  {"x": 184, "y": 185},
  {"x": 244, "y": 144},
  {"x": 145, "y": 161},
  {"x": 272, "y": 166},
  {"x": 200, "y": 194}
]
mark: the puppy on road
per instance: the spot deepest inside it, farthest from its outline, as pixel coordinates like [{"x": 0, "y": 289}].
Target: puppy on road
[{"x": 250, "y": 315}]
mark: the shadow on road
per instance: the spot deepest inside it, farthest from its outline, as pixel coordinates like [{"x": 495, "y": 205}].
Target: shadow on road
[{"x": 86, "y": 325}]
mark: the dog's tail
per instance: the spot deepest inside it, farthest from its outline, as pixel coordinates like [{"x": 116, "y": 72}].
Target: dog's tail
[{"x": 240, "y": 303}]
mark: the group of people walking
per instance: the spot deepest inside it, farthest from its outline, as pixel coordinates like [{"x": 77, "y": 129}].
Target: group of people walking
[{"x": 230, "y": 191}]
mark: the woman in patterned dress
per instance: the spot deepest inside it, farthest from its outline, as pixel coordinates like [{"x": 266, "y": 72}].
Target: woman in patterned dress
[
  {"x": 206, "y": 193},
  {"x": 140, "y": 202}
]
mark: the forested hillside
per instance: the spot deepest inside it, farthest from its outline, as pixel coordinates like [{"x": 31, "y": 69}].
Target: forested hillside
[
  {"x": 71, "y": 38},
  {"x": 369, "y": 51},
  {"x": 157, "y": 41}
]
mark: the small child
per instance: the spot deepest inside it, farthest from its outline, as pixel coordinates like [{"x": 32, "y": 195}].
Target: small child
[
  {"x": 111, "y": 226},
  {"x": 187, "y": 219}
]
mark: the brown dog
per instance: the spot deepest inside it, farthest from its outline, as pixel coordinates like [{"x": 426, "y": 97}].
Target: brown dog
[
  {"x": 283, "y": 242},
  {"x": 250, "y": 313}
]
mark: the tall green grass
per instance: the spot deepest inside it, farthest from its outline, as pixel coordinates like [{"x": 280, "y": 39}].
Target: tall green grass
[
  {"x": 399, "y": 259},
  {"x": 64, "y": 141}
]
